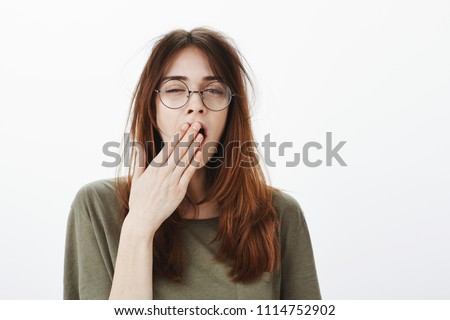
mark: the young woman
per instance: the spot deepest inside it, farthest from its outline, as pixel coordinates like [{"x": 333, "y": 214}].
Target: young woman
[{"x": 194, "y": 217}]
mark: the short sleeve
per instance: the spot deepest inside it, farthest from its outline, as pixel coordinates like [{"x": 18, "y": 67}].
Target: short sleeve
[
  {"x": 85, "y": 274},
  {"x": 299, "y": 279}
]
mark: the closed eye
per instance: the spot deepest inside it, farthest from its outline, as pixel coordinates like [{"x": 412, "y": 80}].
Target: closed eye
[{"x": 214, "y": 91}]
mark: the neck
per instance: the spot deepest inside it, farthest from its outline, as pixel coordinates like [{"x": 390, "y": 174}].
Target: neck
[
  {"x": 197, "y": 191},
  {"x": 197, "y": 185}
]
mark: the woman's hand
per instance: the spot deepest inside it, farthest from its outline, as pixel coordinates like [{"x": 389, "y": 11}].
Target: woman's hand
[{"x": 156, "y": 191}]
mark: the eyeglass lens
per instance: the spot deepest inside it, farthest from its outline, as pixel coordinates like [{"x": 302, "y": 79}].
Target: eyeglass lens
[{"x": 175, "y": 94}]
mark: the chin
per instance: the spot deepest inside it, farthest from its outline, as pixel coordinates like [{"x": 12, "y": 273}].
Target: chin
[{"x": 208, "y": 153}]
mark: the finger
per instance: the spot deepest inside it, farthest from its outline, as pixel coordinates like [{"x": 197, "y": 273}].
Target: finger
[
  {"x": 190, "y": 170},
  {"x": 188, "y": 155},
  {"x": 139, "y": 161},
  {"x": 162, "y": 157},
  {"x": 182, "y": 147}
]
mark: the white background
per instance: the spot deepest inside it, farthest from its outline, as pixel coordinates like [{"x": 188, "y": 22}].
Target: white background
[{"x": 376, "y": 74}]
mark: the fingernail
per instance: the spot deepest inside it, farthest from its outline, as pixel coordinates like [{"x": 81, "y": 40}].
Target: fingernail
[{"x": 184, "y": 126}]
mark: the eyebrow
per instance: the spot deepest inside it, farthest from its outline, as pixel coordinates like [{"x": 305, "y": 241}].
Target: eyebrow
[{"x": 207, "y": 78}]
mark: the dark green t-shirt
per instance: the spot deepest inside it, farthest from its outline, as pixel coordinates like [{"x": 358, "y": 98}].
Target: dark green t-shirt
[{"x": 92, "y": 242}]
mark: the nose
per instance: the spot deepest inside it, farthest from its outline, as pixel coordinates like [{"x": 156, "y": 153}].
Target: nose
[{"x": 195, "y": 103}]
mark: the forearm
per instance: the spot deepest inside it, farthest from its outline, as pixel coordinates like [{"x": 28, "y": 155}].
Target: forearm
[{"x": 134, "y": 266}]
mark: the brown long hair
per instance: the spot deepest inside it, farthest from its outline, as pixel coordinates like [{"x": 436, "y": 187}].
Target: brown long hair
[{"x": 248, "y": 224}]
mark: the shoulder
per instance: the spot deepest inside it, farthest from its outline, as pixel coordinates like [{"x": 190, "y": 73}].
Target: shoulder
[
  {"x": 95, "y": 198},
  {"x": 293, "y": 229},
  {"x": 102, "y": 189},
  {"x": 288, "y": 209},
  {"x": 290, "y": 214}
]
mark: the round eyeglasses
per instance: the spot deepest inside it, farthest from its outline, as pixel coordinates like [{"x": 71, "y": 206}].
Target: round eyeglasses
[{"x": 175, "y": 94}]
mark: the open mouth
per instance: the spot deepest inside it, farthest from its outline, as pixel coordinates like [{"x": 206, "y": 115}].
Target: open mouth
[{"x": 202, "y": 131}]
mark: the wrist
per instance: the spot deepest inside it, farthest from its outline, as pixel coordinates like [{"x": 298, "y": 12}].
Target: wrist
[{"x": 133, "y": 229}]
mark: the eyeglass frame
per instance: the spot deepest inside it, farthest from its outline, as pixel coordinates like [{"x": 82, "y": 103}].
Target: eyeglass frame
[{"x": 195, "y": 91}]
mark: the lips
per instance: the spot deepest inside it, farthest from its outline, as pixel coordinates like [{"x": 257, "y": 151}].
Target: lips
[{"x": 203, "y": 130}]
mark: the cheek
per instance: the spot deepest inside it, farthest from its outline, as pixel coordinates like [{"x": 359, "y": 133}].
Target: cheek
[
  {"x": 164, "y": 121},
  {"x": 221, "y": 120}
]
